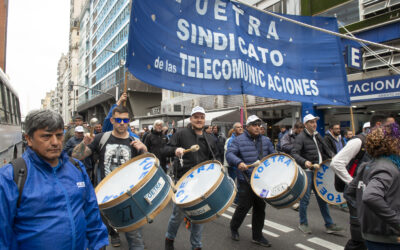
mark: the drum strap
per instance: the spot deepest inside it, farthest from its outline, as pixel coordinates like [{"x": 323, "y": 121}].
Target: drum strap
[{"x": 260, "y": 149}]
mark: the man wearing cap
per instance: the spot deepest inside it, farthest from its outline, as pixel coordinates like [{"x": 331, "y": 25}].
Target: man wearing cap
[
  {"x": 244, "y": 150},
  {"x": 78, "y": 121},
  {"x": 345, "y": 164},
  {"x": 70, "y": 145},
  {"x": 181, "y": 140},
  {"x": 309, "y": 149}
]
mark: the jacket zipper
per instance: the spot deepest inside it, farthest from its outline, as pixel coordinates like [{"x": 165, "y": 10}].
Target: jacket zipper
[{"x": 71, "y": 219}]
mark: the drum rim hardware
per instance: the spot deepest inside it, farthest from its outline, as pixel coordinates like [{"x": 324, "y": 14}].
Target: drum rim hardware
[{"x": 206, "y": 194}]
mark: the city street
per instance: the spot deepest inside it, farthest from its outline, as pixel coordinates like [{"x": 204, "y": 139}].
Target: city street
[{"x": 280, "y": 229}]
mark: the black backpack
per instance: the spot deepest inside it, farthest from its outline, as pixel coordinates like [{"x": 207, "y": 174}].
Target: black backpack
[
  {"x": 20, "y": 173},
  {"x": 362, "y": 156}
]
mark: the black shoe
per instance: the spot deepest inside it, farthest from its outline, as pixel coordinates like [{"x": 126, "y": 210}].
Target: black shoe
[
  {"x": 262, "y": 242},
  {"x": 235, "y": 235},
  {"x": 115, "y": 241},
  {"x": 169, "y": 244}
]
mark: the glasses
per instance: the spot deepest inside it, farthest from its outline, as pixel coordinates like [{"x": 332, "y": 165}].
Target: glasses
[
  {"x": 119, "y": 120},
  {"x": 256, "y": 124},
  {"x": 238, "y": 127}
]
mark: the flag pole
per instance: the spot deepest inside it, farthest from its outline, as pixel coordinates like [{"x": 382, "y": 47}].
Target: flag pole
[
  {"x": 352, "y": 120},
  {"x": 245, "y": 106}
]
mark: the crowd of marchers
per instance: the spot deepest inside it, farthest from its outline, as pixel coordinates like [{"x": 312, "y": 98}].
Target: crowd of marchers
[{"x": 48, "y": 200}]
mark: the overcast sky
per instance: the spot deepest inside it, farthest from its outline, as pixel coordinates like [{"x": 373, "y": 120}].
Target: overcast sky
[{"x": 37, "y": 36}]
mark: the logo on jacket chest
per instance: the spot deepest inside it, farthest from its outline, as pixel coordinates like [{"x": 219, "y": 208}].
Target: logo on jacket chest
[{"x": 80, "y": 184}]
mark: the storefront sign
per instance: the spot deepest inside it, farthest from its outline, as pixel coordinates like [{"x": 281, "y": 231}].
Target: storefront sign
[
  {"x": 354, "y": 59},
  {"x": 375, "y": 89}
]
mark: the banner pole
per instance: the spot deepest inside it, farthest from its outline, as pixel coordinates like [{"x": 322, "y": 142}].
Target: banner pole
[
  {"x": 125, "y": 85},
  {"x": 245, "y": 106},
  {"x": 352, "y": 120}
]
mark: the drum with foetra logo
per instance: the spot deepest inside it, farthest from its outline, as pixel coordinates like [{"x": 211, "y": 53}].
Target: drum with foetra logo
[
  {"x": 324, "y": 183},
  {"x": 279, "y": 180},
  {"x": 204, "y": 192},
  {"x": 134, "y": 193}
]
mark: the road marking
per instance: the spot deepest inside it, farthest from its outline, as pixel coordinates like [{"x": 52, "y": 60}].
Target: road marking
[
  {"x": 278, "y": 226},
  {"x": 267, "y": 232},
  {"x": 269, "y": 223},
  {"x": 303, "y": 247},
  {"x": 325, "y": 243},
  {"x": 226, "y": 216}
]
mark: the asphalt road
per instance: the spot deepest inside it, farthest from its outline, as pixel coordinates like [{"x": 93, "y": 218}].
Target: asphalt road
[{"x": 280, "y": 228}]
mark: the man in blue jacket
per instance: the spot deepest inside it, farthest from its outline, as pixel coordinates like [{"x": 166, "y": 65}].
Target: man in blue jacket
[
  {"x": 246, "y": 149},
  {"x": 58, "y": 207}
]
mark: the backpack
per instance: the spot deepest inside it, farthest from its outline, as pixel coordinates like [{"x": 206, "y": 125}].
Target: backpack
[
  {"x": 352, "y": 167},
  {"x": 20, "y": 173}
]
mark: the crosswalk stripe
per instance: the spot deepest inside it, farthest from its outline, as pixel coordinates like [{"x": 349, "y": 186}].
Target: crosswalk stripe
[
  {"x": 278, "y": 226},
  {"x": 303, "y": 247},
  {"x": 325, "y": 243},
  {"x": 267, "y": 232},
  {"x": 269, "y": 223},
  {"x": 226, "y": 216}
]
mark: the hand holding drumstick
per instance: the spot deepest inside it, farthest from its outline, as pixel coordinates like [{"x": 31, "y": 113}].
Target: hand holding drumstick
[
  {"x": 242, "y": 166},
  {"x": 179, "y": 152}
]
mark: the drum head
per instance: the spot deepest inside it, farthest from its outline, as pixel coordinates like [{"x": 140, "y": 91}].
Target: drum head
[
  {"x": 197, "y": 182},
  {"x": 124, "y": 178},
  {"x": 274, "y": 175},
  {"x": 324, "y": 183}
]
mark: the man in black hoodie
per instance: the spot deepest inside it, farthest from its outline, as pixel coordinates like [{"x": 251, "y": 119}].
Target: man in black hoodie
[
  {"x": 181, "y": 140},
  {"x": 155, "y": 141}
]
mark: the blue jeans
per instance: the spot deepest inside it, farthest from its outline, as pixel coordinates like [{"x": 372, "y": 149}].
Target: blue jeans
[
  {"x": 323, "y": 206},
  {"x": 381, "y": 246},
  {"x": 176, "y": 220},
  {"x": 135, "y": 240}
]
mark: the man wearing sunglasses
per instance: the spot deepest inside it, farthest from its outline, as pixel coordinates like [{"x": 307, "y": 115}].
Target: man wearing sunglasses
[
  {"x": 118, "y": 149},
  {"x": 244, "y": 150}
]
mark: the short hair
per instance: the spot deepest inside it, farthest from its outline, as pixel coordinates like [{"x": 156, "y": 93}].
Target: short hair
[
  {"x": 120, "y": 109},
  {"x": 235, "y": 124},
  {"x": 377, "y": 118},
  {"x": 347, "y": 131},
  {"x": 333, "y": 124},
  {"x": 299, "y": 125},
  {"x": 43, "y": 119},
  {"x": 158, "y": 122},
  {"x": 383, "y": 141},
  {"x": 78, "y": 116}
]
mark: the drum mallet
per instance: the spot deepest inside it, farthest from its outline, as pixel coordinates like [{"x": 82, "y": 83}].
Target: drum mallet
[
  {"x": 315, "y": 166},
  {"x": 193, "y": 148},
  {"x": 92, "y": 123},
  {"x": 255, "y": 164}
]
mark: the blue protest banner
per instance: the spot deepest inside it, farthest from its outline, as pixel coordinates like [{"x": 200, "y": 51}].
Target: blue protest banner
[{"x": 219, "y": 47}]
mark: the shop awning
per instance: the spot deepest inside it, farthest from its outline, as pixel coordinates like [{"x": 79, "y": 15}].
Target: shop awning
[
  {"x": 218, "y": 117},
  {"x": 285, "y": 122}
]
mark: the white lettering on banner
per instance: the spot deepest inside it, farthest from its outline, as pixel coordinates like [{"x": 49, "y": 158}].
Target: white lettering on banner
[
  {"x": 198, "y": 211},
  {"x": 150, "y": 196}
]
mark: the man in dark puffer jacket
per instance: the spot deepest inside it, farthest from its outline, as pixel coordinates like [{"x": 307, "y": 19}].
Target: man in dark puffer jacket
[
  {"x": 309, "y": 148},
  {"x": 244, "y": 150},
  {"x": 156, "y": 141}
]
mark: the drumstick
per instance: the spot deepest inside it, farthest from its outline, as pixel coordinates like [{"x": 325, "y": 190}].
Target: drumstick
[
  {"x": 92, "y": 123},
  {"x": 255, "y": 164},
  {"x": 315, "y": 166},
  {"x": 193, "y": 148}
]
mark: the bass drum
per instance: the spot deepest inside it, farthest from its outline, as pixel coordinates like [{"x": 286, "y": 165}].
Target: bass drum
[
  {"x": 279, "y": 180},
  {"x": 324, "y": 183},
  {"x": 134, "y": 193},
  {"x": 205, "y": 192}
]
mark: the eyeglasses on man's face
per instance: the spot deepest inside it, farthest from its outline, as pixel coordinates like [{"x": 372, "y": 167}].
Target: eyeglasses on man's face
[
  {"x": 256, "y": 124},
  {"x": 119, "y": 120}
]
